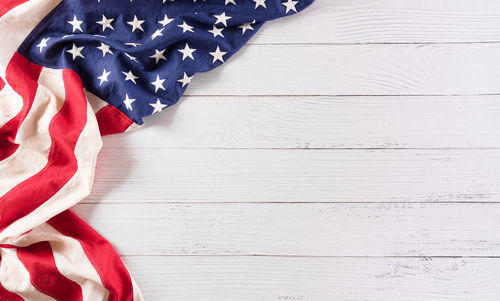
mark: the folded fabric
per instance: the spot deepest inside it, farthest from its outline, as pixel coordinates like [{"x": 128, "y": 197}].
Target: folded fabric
[{"x": 71, "y": 71}]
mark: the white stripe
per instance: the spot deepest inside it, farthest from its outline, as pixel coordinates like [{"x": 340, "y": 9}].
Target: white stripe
[
  {"x": 134, "y": 126},
  {"x": 73, "y": 263},
  {"x": 16, "y": 24},
  {"x": 137, "y": 292},
  {"x": 15, "y": 278},
  {"x": 78, "y": 187},
  {"x": 70, "y": 258},
  {"x": 96, "y": 103},
  {"x": 33, "y": 135},
  {"x": 11, "y": 104}
]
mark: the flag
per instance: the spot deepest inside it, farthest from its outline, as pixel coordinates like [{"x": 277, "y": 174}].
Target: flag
[{"x": 70, "y": 72}]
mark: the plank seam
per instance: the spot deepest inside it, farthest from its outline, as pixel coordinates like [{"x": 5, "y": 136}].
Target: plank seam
[
  {"x": 302, "y": 148},
  {"x": 277, "y": 202},
  {"x": 373, "y": 43},
  {"x": 338, "y": 95},
  {"x": 317, "y": 256}
]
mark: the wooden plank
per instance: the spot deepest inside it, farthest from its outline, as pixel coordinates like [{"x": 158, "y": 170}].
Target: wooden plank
[
  {"x": 356, "y": 70},
  {"x": 388, "y": 21},
  {"x": 299, "y": 229},
  {"x": 323, "y": 122},
  {"x": 128, "y": 174},
  {"x": 316, "y": 279}
]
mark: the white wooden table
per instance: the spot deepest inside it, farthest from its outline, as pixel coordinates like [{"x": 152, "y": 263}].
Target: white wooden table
[{"x": 351, "y": 152}]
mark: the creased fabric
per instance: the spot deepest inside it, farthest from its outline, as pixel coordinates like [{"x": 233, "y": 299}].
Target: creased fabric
[{"x": 70, "y": 72}]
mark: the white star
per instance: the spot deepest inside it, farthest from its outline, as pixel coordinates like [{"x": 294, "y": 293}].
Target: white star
[
  {"x": 158, "y": 83},
  {"x": 43, "y": 44},
  {"x": 136, "y": 24},
  {"x": 76, "y": 24},
  {"x": 216, "y": 31},
  {"x": 222, "y": 18},
  {"x": 105, "y": 49},
  {"x": 76, "y": 51},
  {"x": 185, "y": 80},
  {"x": 158, "y": 106},
  {"x": 290, "y": 5},
  {"x": 128, "y": 102},
  {"x": 218, "y": 55},
  {"x": 185, "y": 27},
  {"x": 260, "y": 3},
  {"x": 105, "y": 22},
  {"x": 130, "y": 76},
  {"x": 246, "y": 26},
  {"x": 133, "y": 44},
  {"x": 165, "y": 21},
  {"x": 157, "y": 33},
  {"x": 104, "y": 77},
  {"x": 132, "y": 58},
  {"x": 230, "y": 1},
  {"x": 158, "y": 55},
  {"x": 187, "y": 52}
]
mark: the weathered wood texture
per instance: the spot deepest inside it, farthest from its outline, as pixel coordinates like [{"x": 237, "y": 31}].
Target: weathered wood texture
[
  {"x": 393, "y": 107},
  {"x": 451, "y": 229},
  {"x": 388, "y": 21},
  {"x": 316, "y": 279},
  {"x": 274, "y": 175},
  {"x": 322, "y": 122},
  {"x": 413, "y": 69}
]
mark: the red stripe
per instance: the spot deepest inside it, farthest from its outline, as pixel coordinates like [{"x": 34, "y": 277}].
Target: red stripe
[
  {"x": 7, "y": 5},
  {"x": 5, "y": 295},
  {"x": 64, "y": 129},
  {"x": 2, "y": 84},
  {"x": 44, "y": 275},
  {"x": 22, "y": 75},
  {"x": 112, "y": 121},
  {"x": 113, "y": 273}
]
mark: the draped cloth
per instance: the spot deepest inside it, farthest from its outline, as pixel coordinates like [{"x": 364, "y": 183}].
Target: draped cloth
[{"x": 70, "y": 72}]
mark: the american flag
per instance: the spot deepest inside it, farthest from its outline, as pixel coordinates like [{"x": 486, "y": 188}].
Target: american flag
[{"x": 71, "y": 71}]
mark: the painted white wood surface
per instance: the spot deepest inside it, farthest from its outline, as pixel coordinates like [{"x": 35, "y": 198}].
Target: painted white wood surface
[
  {"x": 323, "y": 122},
  {"x": 349, "y": 153},
  {"x": 378, "y": 69},
  {"x": 319, "y": 279},
  {"x": 388, "y": 21},
  {"x": 134, "y": 174},
  {"x": 422, "y": 229}
]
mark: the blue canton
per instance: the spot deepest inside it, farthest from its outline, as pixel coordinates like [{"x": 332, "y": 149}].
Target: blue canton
[{"x": 140, "y": 55}]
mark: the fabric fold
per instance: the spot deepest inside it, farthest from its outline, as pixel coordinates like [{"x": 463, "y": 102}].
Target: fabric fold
[{"x": 70, "y": 72}]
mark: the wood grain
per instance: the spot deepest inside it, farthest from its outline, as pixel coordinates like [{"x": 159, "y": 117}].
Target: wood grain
[
  {"x": 339, "y": 146},
  {"x": 388, "y": 21},
  {"x": 274, "y": 175},
  {"x": 299, "y": 229},
  {"x": 355, "y": 70},
  {"x": 316, "y": 279},
  {"x": 323, "y": 122}
]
